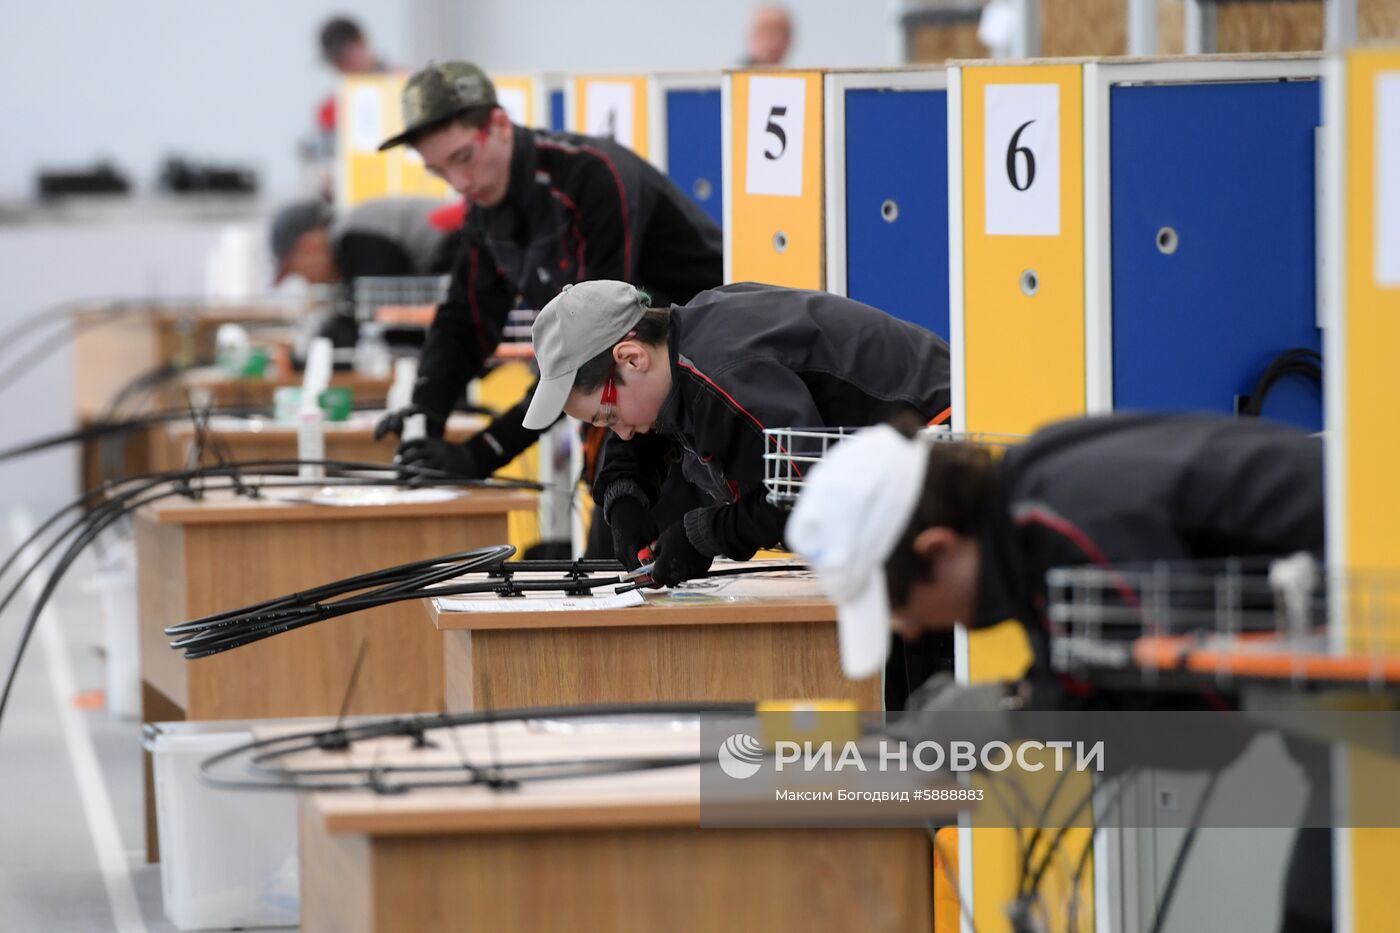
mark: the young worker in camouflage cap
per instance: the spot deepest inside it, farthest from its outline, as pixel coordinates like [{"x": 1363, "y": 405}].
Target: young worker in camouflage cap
[{"x": 544, "y": 210}]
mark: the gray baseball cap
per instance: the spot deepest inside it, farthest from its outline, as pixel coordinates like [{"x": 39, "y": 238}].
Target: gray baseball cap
[
  {"x": 580, "y": 322},
  {"x": 438, "y": 93}
]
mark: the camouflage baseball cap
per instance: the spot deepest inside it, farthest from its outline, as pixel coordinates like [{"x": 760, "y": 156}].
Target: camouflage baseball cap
[{"x": 440, "y": 92}]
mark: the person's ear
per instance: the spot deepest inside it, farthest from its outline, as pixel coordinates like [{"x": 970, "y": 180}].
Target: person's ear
[
  {"x": 932, "y": 544},
  {"x": 630, "y": 354},
  {"x": 500, "y": 120}
]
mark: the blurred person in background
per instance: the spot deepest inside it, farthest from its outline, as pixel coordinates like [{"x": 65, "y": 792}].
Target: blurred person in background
[
  {"x": 344, "y": 48},
  {"x": 383, "y": 237},
  {"x": 770, "y": 37}
]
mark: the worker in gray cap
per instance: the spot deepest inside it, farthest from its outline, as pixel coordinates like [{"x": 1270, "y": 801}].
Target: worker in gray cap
[
  {"x": 544, "y": 210},
  {"x": 381, "y": 237},
  {"x": 710, "y": 376}
]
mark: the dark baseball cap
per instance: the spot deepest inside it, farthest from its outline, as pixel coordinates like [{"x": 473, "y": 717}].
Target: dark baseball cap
[
  {"x": 437, "y": 94},
  {"x": 288, "y": 226}
]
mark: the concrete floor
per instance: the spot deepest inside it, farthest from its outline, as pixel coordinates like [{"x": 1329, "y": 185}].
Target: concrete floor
[{"x": 70, "y": 781}]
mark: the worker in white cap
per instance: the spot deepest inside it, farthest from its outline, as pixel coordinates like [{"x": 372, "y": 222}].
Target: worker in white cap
[{"x": 917, "y": 535}]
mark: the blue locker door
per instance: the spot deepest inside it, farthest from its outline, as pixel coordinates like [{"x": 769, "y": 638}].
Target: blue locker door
[
  {"x": 556, "y": 109},
  {"x": 897, "y": 203},
  {"x": 1213, "y": 244},
  {"x": 693, "y": 152}
]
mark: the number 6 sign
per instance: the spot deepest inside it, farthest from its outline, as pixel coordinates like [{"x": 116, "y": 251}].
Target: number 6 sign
[
  {"x": 1022, "y": 159},
  {"x": 776, "y": 116}
]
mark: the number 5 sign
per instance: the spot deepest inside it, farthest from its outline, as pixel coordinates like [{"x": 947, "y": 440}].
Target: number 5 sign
[
  {"x": 1022, "y": 159},
  {"x": 777, "y": 111}
]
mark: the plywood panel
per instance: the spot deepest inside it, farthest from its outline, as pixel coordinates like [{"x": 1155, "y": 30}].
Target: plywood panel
[
  {"x": 543, "y": 667},
  {"x": 305, "y": 672},
  {"x": 644, "y": 881},
  {"x": 1171, "y": 27},
  {"x": 935, "y": 43},
  {"x": 1378, "y": 20},
  {"x": 1083, "y": 27},
  {"x": 1282, "y": 26}
]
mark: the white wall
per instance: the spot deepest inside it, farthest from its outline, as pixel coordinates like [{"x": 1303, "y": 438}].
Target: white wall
[
  {"x": 649, "y": 35},
  {"x": 137, "y": 80}
]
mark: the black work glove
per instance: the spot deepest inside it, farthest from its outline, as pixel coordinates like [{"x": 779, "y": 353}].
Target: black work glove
[
  {"x": 633, "y": 529},
  {"x": 677, "y": 560},
  {"x": 434, "y": 453},
  {"x": 392, "y": 422}
]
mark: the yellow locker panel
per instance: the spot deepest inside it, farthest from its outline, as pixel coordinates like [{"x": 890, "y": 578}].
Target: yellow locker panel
[
  {"x": 613, "y": 106},
  {"x": 1017, "y": 133},
  {"x": 1022, "y": 155},
  {"x": 516, "y": 95},
  {"x": 367, "y": 109},
  {"x": 1363, "y": 390},
  {"x": 773, "y": 230}
]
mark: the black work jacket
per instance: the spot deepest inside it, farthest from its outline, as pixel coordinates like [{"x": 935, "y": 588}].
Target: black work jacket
[
  {"x": 1134, "y": 488},
  {"x": 745, "y": 357}
]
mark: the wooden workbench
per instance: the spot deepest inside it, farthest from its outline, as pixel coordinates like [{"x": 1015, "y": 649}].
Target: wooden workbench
[
  {"x": 622, "y": 853},
  {"x": 195, "y": 558},
  {"x": 246, "y": 439},
  {"x": 727, "y": 639}
]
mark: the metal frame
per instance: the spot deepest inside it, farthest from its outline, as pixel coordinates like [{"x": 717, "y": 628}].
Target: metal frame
[
  {"x": 1200, "y": 27},
  {"x": 657, "y": 123},
  {"x": 957, "y": 339},
  {"x": 957, "y": 290},
  {"x": 1338, "y": 24},
  {"x": 544, "y": 84},
  {"x": 835, "y": 85},
  {"x": 1099, "y": 79},
  {"x": 571, "y": 104},
  {"x": 1333, "y": 236},
  {"x": 1142, "y": 27},
  {"x": 1098, "y": 242},
  {"x": 1027, "y": 43},
  {"x": 726, "y": 141}
]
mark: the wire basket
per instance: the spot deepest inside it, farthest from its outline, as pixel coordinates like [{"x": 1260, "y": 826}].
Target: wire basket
[
  {"x": 788, "y": 453},
  {"x": 399, "y": 299},
  {"x": 1281, "y": 619}
]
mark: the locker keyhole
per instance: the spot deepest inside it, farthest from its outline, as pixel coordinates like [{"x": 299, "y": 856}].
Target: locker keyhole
[
  {"x": 1030, "y": 282},
  {"x": 889, "y": 210},
  {"x": 702, "y": 189},
  {"x": 780, "y": 241},
  {"x": 1167, "y": 241}
]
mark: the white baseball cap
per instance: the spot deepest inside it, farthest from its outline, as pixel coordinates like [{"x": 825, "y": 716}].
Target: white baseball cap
[
  {"x": 854, "y": 506},
  {"x": 580, "y": 322}
]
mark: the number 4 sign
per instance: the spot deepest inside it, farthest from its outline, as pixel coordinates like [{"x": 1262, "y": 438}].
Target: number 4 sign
[
  {"x": 777, "y": 114},
  {"x": 1022, "y": 159}
]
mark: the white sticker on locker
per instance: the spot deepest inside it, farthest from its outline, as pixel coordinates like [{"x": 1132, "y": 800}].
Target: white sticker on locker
[
  {"x": 366, "y": 118},
  {"x": 777, "y": 115},
  {"x": 514, "y": 102},
  {"x": 1388, "y": 179},
  {"x": 608, "y": 109},
  {"x": 1022, "y": 159}
]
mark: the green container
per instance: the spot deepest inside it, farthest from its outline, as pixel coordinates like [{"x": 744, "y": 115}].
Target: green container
[{"x": 337, "y": 402}]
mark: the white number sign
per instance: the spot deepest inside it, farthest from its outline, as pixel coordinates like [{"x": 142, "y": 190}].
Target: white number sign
[
  {"x": 1388, "y": 179},
  {"x": 609, "y": 107},
  {"x": 777, "y": 112},
  {"x": 1022, "y": 159},
  {"x": 366, "y": 118},
  {"x": 514, "y": 102}
]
